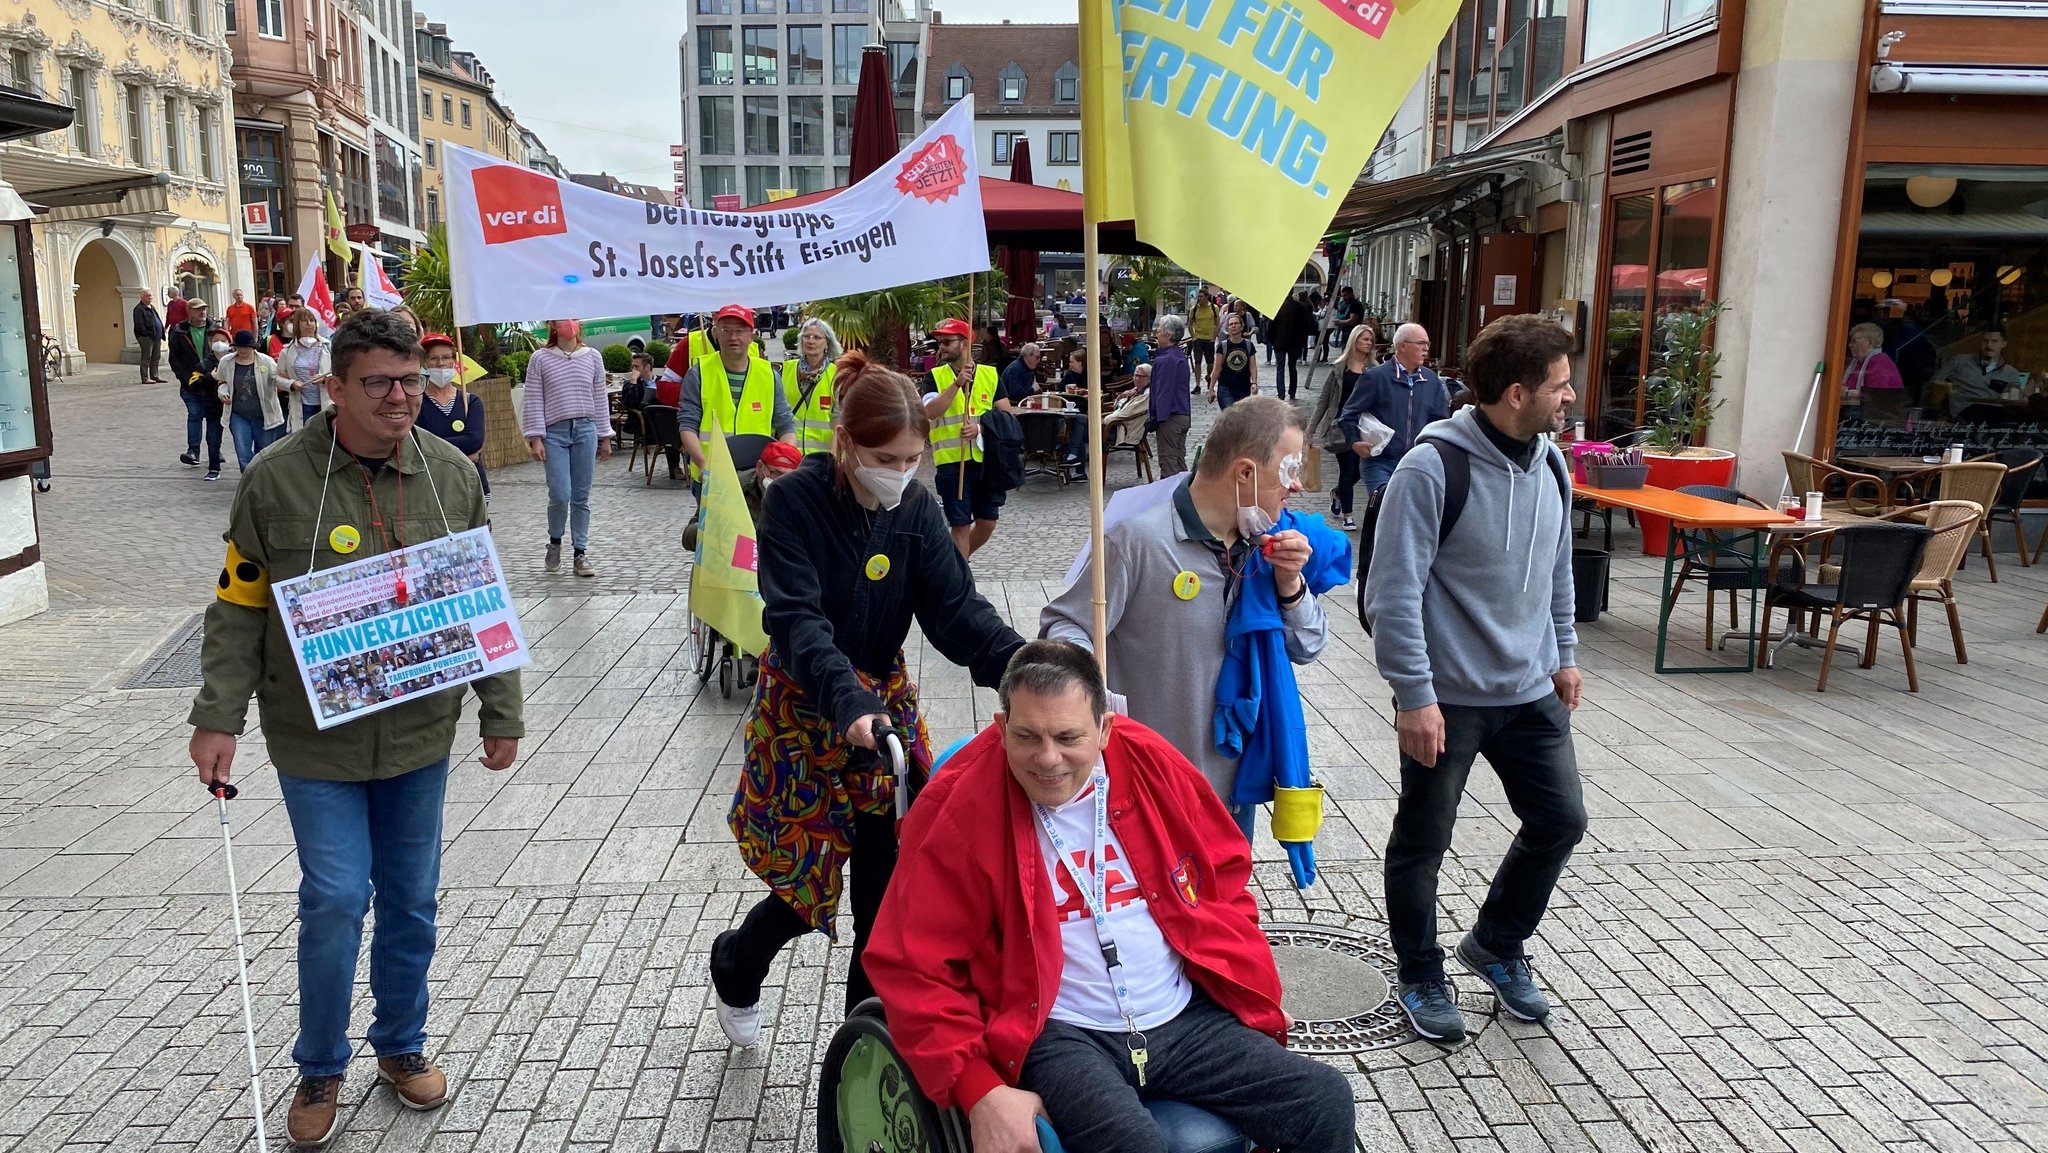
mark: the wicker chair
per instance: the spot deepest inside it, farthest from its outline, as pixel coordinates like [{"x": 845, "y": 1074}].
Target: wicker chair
[
  {"x": 1862, "y": 493},
  {"x": 1722, "y": 571},
  {"x": 1953, "y": 523},
  {"x": 1879, "y": 563},
  {"x": 1976, "y": 481},
  {"x": 2020, "y": 466}
]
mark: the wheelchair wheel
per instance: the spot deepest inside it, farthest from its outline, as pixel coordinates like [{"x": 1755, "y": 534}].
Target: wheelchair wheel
[
  {"x": 725, "y": 671},
  {"x": 707, "y": 654},
  {"x": 869, "y": 1103}
]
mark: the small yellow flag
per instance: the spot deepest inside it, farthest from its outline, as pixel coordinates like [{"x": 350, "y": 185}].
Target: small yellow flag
[
  {"x": 724, "y": 591},
  {"x": 337, "y": 235},
  {"x": 1273, "y": 107},
  {"x": 469, "y": 371}
]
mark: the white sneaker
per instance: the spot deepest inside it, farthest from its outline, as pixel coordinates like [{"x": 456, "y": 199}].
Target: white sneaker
[{"x": 742, "y": 1026}]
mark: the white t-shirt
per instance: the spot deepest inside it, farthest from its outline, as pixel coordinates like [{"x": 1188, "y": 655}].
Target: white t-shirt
[{"x": 1156, "y": 976}]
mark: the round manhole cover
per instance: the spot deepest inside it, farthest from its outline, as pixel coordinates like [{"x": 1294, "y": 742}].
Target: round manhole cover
[{"x": 1338, "y": 986}]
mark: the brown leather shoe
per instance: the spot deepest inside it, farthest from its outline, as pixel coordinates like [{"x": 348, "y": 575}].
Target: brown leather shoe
[
  {"x": 419, "y": 1083},
  {"x": 315, "y": 1112}
]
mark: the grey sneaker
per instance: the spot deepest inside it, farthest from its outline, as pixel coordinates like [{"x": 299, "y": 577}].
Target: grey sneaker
[
  {"x": 554, "y": 561},
  {"x": 583, "y": 566},
  {"x": 1509, "y": 979},
  {"x": 1432, "y": 1009}
]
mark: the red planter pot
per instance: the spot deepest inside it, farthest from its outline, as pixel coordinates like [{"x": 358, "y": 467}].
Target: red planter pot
[{"x": 1677, "y": 472}]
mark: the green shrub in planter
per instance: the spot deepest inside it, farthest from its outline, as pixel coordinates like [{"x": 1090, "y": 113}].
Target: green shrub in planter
[
  {"x": 658, "y": 351},
  {"x": 618, "y": 358},
  {"x": 789, "y": 339},
  {"x": 513, "y": 364}
]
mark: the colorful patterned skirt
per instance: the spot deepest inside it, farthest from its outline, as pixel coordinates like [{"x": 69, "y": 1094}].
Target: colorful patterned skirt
[{"x": 803, "y": 783}]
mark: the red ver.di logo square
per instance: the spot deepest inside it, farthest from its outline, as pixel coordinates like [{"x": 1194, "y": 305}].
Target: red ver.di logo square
[
  {"x": 498, "y": 641},
  {"x": 516, "y": 203},
  {"x": 936, "y": 172}
]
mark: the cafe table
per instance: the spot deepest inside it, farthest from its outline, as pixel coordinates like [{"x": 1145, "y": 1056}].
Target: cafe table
[{"x": 1698, "y": 523}]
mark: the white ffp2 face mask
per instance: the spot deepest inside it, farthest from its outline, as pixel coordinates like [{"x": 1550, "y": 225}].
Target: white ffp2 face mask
[
  {"x": 439, "y": 377},
  {"x": 1252, "y": 520},
  {"x": 886, "y": 485}
]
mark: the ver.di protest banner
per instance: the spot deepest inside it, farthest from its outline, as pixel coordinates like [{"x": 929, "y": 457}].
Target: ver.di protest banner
[
  {"x": 525, "y": 245},
  {"x": 1275, "y": 106},
  {"x": 361, "y": 647}
]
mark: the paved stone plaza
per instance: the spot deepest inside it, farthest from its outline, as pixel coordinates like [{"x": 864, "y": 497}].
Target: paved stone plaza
[{"x": 1799, "y": 921}]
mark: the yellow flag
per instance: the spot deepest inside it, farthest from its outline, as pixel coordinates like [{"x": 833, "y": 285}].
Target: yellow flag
[
  {"x": 1257, "y": 112},
  {"x": 337, "y": 235},
  {"x": 724, "y": 592},
  {"x": 469, "y": 371}
]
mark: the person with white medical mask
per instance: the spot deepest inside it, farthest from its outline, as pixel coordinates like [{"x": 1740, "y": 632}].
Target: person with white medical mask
[
  {"x": 1175, "y": 566},
  {"x": 304, "y": 357},
  {"x": 851, "y": 548},
  {"x": 448, "y": 410}
]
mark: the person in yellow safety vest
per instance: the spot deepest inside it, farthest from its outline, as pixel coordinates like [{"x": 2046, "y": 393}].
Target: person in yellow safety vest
[
  {"x": 807, "y": 384},
  {"x": 733, "y": 386},
  {"x": 957, "y": 393},
  {"x": 689, "y": 348}
]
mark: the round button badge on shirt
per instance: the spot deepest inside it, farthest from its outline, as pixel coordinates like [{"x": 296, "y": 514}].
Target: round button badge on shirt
[
  {"x": 1187, "y": 585},
  {"x": 344, "y": 538},
  {"x": 877, "y": 567}
]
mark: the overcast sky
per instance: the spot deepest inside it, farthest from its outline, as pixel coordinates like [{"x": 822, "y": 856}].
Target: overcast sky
[{"x": 598, "y": 80}]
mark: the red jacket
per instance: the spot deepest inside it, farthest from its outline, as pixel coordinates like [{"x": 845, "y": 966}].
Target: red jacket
[{"x": 966, "y": 951}]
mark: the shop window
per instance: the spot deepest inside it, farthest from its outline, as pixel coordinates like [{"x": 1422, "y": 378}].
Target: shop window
[
  {"x": 1657, "y": 264},
  {"x": 1952, "y": 272}
]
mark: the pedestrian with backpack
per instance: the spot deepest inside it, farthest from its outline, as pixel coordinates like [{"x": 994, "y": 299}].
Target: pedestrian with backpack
[{"x": 1471, "y": 619}]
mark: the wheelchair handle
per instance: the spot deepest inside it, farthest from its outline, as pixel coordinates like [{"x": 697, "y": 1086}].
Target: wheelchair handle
[{"x": 899, "y": 761}]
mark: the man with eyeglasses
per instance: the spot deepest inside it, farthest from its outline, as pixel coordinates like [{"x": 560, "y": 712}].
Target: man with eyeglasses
[
  {"x": 1402, "y": 393},
  {"x": 957, "y": 394},
  {"x": 364, "y": 797}
]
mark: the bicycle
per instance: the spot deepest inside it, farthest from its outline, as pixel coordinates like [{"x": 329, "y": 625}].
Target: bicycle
[{"x": 52, "y": 355}]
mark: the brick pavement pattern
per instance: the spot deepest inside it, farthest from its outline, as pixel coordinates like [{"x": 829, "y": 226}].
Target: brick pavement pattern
[{"x": 1798, "y": 922}]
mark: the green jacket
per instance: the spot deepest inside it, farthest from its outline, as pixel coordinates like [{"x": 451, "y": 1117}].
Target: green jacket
[{"x": 271, "y": 535}]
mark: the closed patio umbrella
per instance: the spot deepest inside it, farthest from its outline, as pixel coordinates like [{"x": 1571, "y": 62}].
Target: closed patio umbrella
[{"x": 1020, "y": 264}]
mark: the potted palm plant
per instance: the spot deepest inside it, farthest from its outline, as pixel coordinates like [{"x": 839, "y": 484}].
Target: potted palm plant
[{"x": 1680, "y": 403}]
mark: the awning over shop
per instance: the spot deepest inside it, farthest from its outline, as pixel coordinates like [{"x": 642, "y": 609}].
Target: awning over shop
[
  {"x": 1379, "y": 204},
  {"x": 80, "y": 188},
  {"x": 1949, "y": 226}
]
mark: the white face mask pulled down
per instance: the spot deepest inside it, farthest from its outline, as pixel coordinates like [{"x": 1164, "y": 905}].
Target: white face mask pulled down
[
  {"x": 1252, "y": 519},
  {"x": 885, "y": 485}
]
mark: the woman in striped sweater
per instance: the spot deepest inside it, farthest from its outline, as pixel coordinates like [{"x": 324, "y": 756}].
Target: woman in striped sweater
[{"x": 568, "y": 427}]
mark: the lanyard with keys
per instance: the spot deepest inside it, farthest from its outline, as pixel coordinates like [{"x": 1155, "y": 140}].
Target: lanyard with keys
[{"x": 1094, "y": 892}]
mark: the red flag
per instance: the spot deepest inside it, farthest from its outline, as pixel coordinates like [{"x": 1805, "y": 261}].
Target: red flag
[{"x": 313, "y": 288}]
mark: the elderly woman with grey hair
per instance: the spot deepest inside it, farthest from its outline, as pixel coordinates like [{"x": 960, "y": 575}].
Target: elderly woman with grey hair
[
  {"x": 1871, "y": 383},
  {"x": 1169, "y": 407},
  {"x": 807, "y": 384}
]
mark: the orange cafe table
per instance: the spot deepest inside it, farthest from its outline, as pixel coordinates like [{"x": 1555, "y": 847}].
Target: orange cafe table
[{"x": 1727, "y": 529}]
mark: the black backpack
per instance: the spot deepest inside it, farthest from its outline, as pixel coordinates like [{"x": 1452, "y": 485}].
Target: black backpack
[
  {"x": 1002, "y": 465},
  {"x": 1457, "y": 485}
]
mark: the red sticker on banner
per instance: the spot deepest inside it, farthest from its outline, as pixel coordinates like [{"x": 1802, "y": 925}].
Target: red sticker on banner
[
  {"x": 515, "y": 203},
  {"x": 935, "y": 172},
  {"x": 744, "y": 558},
  {"x": 498, "y": 641},
  {"x": 1368, "y": 16}
]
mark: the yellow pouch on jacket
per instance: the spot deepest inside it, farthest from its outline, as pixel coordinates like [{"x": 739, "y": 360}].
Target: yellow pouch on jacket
[{"x": 1297, "y": 814}]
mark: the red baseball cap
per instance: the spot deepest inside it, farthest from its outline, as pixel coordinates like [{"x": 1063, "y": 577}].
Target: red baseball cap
[
  {"x": 782, "y": 454},
  {"x": 953, "y": 328},
  {"x": 433, "y": 338},
  {"x": 739, "y": 312}
]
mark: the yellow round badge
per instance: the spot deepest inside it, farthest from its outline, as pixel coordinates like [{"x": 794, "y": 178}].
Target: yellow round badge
[
  {"x": 1187, "y": 586},
  {"x": 344, "y": 538},
  {"x": 878, "y": 567},
  {"x": 456, "y": 426}
]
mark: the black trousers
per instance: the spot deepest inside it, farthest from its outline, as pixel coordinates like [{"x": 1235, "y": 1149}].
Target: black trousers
[
  {"x": 1530, "y": 748},
  {"x": 1287, "y": 379},
  {"x": 738, "y": 970},
  {"x": 1205, "y": 1057}
]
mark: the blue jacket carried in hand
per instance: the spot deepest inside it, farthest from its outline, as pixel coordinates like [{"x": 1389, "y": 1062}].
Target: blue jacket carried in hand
[{"x": 1258, "y": 704}]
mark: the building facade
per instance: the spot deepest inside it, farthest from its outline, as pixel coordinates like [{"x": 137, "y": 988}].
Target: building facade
[
  {"x": 768, "y": 88},
  {"x": 1811, "y": 163},
  {"x": 459, "y": 105},
  {"x": 138, "y": 189},
  {"x": 302, "y": 131},
  {"x": 1026, "y": 83},
  {"x": 606, "y": 182},
  {"x": 390, "y": 62}
]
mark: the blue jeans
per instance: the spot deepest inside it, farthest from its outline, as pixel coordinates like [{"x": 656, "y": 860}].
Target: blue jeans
[
  {"x": 572, "y": 458},
  {"x": 202, "y": 414},
  {"x": 307, "y": 412},
  {"x": 251, "y": 438},
  {"x": 359, "y": 841},
  {"x": 1375, "y": 471}
]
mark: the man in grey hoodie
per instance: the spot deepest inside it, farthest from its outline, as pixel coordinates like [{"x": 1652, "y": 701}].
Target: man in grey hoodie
[{"x": 1473, "y": 628}]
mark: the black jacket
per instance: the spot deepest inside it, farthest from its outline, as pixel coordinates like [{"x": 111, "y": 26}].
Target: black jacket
[
  {"x": 147, "y": 322},
  {"x": 189, "y": 360},
  {"x": 826, "y": 617},
  {"x": 1292, "y": 326}
]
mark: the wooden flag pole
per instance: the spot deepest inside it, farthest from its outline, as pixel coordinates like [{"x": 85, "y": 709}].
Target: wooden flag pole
[
  {"x": 967, "y": 407},
  {"x": 1092, "y": 259}
]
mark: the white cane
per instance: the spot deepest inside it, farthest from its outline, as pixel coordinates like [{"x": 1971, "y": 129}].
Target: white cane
[{"x": 222, "y": 794}]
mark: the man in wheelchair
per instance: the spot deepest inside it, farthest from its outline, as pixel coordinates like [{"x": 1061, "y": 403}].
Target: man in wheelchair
[{"x": 1069, "y": 934}]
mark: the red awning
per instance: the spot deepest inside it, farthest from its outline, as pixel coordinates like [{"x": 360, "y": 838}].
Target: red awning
[{"x": 1022, "y": 216}]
